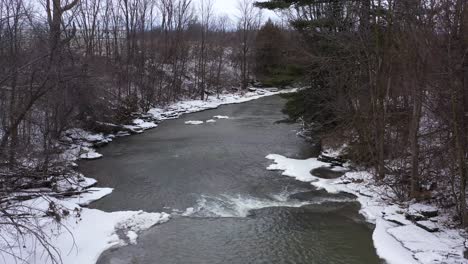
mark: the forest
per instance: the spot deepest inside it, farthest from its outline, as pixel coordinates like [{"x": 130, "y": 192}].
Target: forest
[
  {"x": 390, "y": 80},
  {"x": 384, "y": 81}
]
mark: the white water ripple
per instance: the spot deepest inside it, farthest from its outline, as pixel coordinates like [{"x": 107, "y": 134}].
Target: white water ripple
[{"x": 241, "y": 205}]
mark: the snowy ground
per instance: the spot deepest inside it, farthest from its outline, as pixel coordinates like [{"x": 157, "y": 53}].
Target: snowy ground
[
  {"x": 81, "y": 236},
  {"x": 83, "y": 233},
  {"x": 424, "y": 239}
]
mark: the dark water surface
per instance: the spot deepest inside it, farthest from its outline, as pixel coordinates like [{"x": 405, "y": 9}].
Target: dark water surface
[{"x": 227, "y": 208}]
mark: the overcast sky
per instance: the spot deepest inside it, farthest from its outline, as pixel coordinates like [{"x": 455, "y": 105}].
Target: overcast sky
[{"x": 229, "y": 7}]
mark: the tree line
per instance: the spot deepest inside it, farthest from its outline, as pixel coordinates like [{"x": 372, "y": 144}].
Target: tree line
[
  {"x": 389, "y": 79},
  {"x": 74, "y": 63}
]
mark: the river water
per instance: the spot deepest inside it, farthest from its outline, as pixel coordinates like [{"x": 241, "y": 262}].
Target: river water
[{"x": 226, "y": 207}]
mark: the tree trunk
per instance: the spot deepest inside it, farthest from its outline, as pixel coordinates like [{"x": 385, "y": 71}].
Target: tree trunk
[{"x": 414, "y": 144}]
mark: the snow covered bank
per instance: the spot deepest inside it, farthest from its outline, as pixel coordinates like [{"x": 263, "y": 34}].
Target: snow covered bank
[
  {"x": 80, "y": 236},
  {"x": 190, "y": 106},
  {"x": 397, "y": 239}
]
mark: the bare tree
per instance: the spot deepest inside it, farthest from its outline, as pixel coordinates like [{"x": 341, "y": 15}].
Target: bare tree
[
  {"x": 206, "y": 13},
  {"x": 249, "y": 22}
]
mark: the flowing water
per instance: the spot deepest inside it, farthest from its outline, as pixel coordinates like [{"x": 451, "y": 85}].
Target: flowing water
[{"x": 226, "y": 207}]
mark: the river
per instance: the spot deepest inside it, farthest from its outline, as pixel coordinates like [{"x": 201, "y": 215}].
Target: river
[{"x": 226, "y": 207}]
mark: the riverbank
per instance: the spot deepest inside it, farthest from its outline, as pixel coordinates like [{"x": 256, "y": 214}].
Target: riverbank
[
  {"x": 404, "y": 233},
  {"x": 81, "y": 144},
  {"x": 82, "y": 234}
]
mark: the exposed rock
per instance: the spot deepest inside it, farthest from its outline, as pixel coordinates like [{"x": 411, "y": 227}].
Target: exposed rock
[
  {"x": 148, "y": 117},
  {"x": 261, "y": 92},
  {"x": 414, "y": 217},
  {"x": 332, "y": 160},
  {"x": 119, "y": 130},
  {"x": 344, "y": 181},
  {"x": 397, "y": 219},
  {"x": 327, "y": 173},
  {"x": 430, "y": 213},
  {"x": 122, "y": 134},
  {"x": 425, "y": 210},
  {"x": 101, "y": 143},
  {"x": 428, "y": 226},
  {"x": 106, "y": 128},
  {"x": 170, "y": 115},
  {"x": 322, "y": 195},
  {"x": 363, "y": 193},
  {"x": 342, "y": 208},
  {"x": 273, "y": 90},
  {"x": 133, "y": 129}
]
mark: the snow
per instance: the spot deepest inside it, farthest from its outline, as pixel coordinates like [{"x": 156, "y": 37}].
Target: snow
[
  {"x": 91, "y": 155},
  {"x": 423, "y": 209},
  {"x": 92, "y": 194},
  {"x": 300, "y": 170},
  {"x": 420, "y": 241},
  {"x": 122, "y": 134},
  {"x": 397, "y": 218},
  {"x": 388, "y": 247},
  {"x": 145, "y": 125},
  {"x": 81, "y": 144},
  {"x": 78, "y": 182},
  {"x": 135, "y": 129},
  {"x": 428, "y": 225},
  {"x": 95, "y": 233},
  {"x": 189, "y": 211},
  {"x": 82, "y": 236},
  {"x": 334, "y": 152},
  {"x": 132, "y": 237},
  {"x": 177, "y": 109},
  {"x": 221, "y": 117},
  {"x": 77, "y": 133},
  {"x": 396, "y": 239},
  {"x": 194, "y": 122}
]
